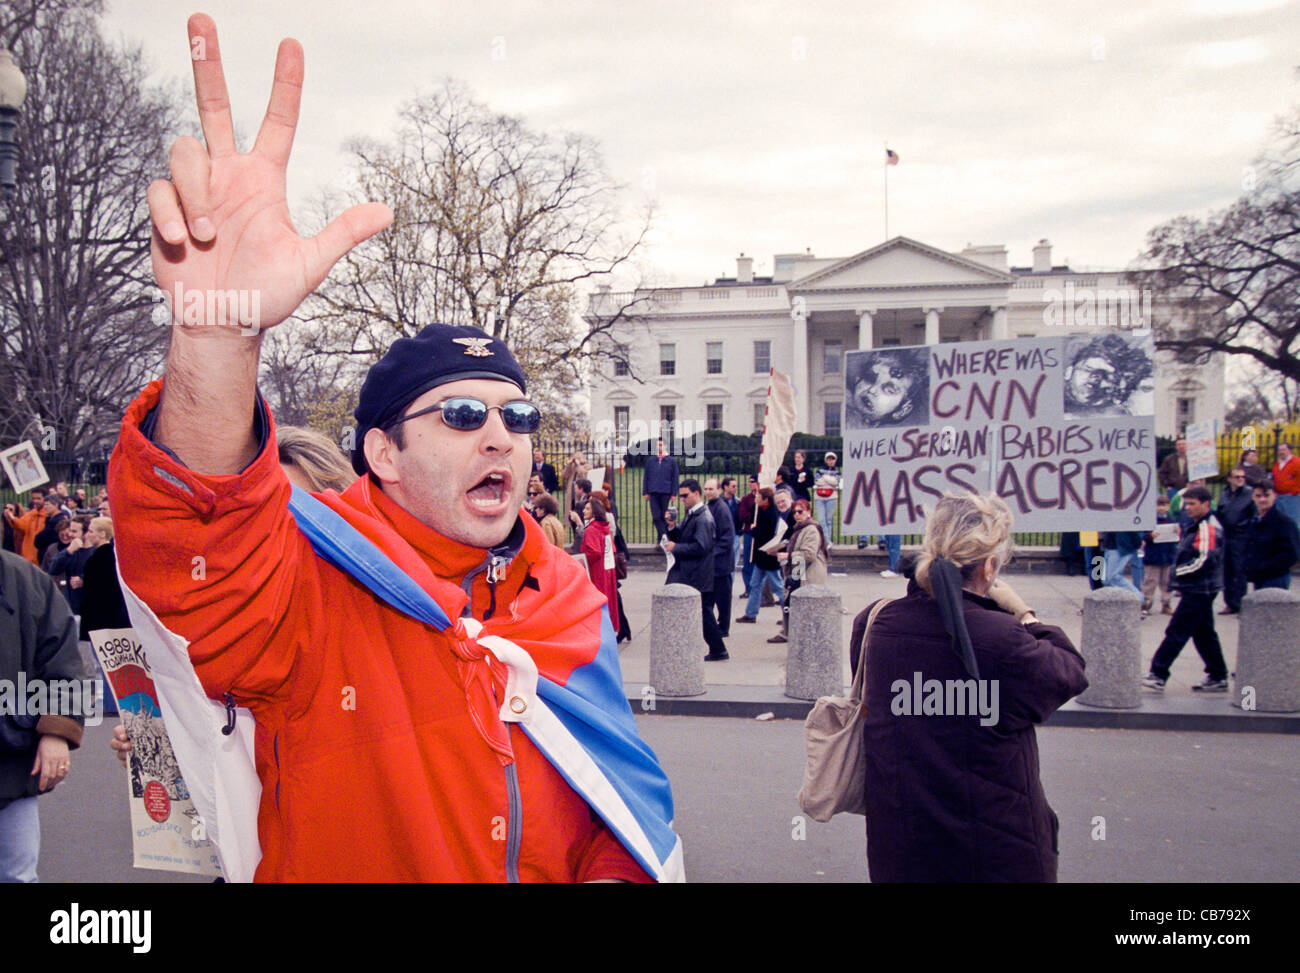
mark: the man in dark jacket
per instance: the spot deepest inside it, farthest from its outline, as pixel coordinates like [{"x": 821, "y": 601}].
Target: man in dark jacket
[
  {"x": 1273, "y": 542},
  {"x": 745, "y": 511},
  {"x": 659, "y": 486},
  {"x": 545, "y": 470},
  {"x": 691, "y": 545},
  {"x": 767, "y": 569},
  {"x": 724, "y": 568},
  {"x": 38, "y": 647},
  {"x": 1235, "y": 511},
  {"x": 1198, "y": 577},
  {"x": 1173, "y": 468}
]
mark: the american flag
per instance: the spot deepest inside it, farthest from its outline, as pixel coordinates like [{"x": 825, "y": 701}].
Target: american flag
[{"x": 891, "y": 157}]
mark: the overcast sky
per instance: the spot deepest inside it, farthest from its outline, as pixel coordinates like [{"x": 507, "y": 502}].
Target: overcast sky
[{"x": 759, "y": 127}]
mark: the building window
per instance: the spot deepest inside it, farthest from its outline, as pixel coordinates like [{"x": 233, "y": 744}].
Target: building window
[
  {"x": 667, "y": 359},
  {"x": 1186, "y": 413},
  {"x": 833, "y": 354},
  {"x": 762, "y": 357},
  {"x": 622, "y": 418},
  {"x": 714, "y": 415},
  {"x": 621, "y": 361},
  {"x": 831, "y": 415},
  {"x": 667, "y": 421},
  {"x": 890, "y": 342},
  {"x": 713, "y": 351},
  {"x": 760, "y": 413}
]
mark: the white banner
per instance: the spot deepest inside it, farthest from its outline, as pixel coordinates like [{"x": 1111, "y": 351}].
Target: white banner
[{"x": 1063, "y": 429}]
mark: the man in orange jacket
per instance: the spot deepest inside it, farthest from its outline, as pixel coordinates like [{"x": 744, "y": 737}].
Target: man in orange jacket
[
  {"x": 30, "y": 524},
  {"x": 386, "y": 748}
]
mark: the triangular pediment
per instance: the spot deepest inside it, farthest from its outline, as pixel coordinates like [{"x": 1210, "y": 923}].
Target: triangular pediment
[{"x": 900, "y": 262}]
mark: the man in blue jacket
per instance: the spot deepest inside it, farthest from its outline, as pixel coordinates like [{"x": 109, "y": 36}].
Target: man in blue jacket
[
  {"x": 1198, "y": 576},
  {"x": 659, "y": 486}
]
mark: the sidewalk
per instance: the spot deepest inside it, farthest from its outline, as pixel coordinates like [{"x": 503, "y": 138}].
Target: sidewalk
[{"x": 752, "y": 682}]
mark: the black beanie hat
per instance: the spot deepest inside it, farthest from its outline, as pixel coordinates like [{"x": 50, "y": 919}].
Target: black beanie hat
[{"x": 437, "y": 355}]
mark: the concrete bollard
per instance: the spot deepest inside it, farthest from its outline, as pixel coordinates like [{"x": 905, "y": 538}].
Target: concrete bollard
[
  {"x": 1268, "y": 652},
  {"x": 1111, "y": 645},
  {"x": 814, "y": 664},
  {"x": 677, "y": 646}
]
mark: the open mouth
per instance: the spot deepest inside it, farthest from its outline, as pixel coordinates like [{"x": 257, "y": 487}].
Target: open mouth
[{"x": 491, "y": 491}]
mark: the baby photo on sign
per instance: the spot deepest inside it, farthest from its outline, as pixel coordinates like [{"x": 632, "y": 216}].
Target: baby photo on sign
[
  {"x": 1108, "y": 375},
  {"x": 887, "y": 387},
  {"x": 23, "y": 466}
]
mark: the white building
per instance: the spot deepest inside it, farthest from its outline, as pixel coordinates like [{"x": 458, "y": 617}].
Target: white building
[{"x": 703, "y": 353}]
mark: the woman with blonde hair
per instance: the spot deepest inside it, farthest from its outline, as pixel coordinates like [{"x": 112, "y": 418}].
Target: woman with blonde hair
[
  {"x": 957, "y": 674},
  {"x": 312, "y": 461}
]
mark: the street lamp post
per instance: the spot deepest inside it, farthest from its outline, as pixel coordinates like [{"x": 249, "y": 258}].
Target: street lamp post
[{"x": 13, "y": 90}]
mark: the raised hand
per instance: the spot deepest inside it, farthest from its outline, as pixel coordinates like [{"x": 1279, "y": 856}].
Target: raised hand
[{"x": 221, "y": 226}]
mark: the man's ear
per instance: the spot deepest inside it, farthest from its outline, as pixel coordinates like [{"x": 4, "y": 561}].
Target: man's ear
[{"x": 381, "y": 454}]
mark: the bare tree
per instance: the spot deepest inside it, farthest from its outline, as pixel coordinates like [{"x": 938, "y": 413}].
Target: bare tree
[
  {"x": 496, "y": 226},
  {"x": 77, "y": 305},
  {"x": 1231, "y": 283}
]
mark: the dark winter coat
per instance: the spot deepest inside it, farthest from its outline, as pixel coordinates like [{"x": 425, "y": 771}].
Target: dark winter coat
[
  {"x": 764, "y": 531},
  {"x": 693, "y": 553},
  {"x": 102, "y": 604},
  {"x": 38, "y": 637},
  {"x": 1273, "y": 547},
  {"x": 949, "y": 800},
  {"x": 724, "y": 534},
  {"x": 549, "y": 480},
  {"x": 660, "y": 475},
  {"x": 1235, "y": 510}
]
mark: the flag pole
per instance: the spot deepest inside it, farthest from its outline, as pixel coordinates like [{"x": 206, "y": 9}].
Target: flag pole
[{"x": 886, "y": 164}]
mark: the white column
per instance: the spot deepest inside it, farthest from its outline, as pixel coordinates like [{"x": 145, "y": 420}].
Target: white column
[
  {"x": 932, "y": 325},
  {"x": 866, "y": 334},
  {"x": 1000, "y": 324},
  {"x": 799, "y": 372}
]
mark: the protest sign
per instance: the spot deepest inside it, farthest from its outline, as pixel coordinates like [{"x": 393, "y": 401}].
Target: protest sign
[
  {"x": 166, "y": 830},
  {"x": 1061, "y": 428},
  {"x": 1202, "y": 450},
  {"x": 22, "y": 464}
]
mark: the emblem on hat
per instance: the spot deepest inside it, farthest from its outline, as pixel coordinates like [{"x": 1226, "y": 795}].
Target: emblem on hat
[{"x": 475, "y": 347}]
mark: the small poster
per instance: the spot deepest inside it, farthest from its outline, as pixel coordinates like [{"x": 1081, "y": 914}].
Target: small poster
[
  {"x": 1202, "y": 451},
  {"x": 1165, "y": 534},
  {"x": 166, "y": 830},
  {"x": 597, "y": 478},
  {"x": 23, "y": 466}
]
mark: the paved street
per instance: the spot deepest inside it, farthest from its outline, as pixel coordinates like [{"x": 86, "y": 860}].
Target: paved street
[{"x": 1186, "y": 807}]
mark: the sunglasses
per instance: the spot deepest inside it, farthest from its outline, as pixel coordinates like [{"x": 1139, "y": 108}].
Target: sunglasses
[
  {"x": 465, "y": 413},
  {"x": 534, "y": 493}
]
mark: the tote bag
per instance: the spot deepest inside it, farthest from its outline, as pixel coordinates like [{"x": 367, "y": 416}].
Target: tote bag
[{"x": 835, "y": 774}]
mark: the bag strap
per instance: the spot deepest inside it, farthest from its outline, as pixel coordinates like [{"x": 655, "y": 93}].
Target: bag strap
[{"x": 857, "y": 692}]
